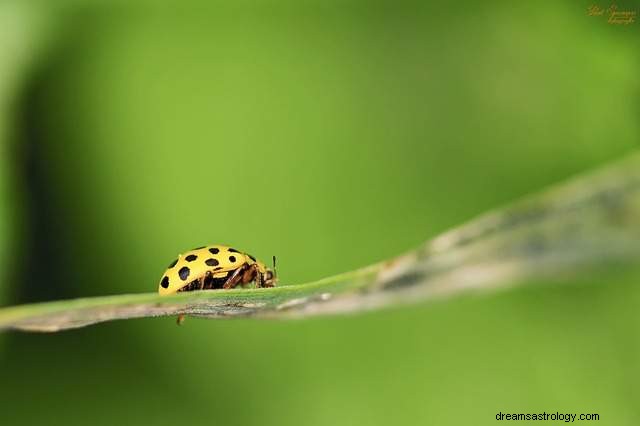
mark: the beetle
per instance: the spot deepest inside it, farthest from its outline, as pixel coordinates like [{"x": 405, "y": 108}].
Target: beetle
[{"x": 215, "y": 267}]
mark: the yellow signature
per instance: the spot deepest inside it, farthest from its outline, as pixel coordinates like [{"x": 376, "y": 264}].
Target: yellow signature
[{"x": 615, "y": 16}]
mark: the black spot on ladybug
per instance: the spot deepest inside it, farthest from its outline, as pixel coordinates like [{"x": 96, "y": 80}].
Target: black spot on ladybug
[
  {"x": 232, "y": 258},
  {"x": 214, "y": 250},
  {"x": 252, "y": 258},
  {"x": 184, "y": 273},
  {"x": 191, "y": 258},
  {"x": 197, "y": 248},
  {"x": 232, "y": 250},
  {"x": 212, "y": 262},
  {"x": 172, "y": 264},
  {"x": 218, "y": 268},
  {"x": 165, "y": 282}
]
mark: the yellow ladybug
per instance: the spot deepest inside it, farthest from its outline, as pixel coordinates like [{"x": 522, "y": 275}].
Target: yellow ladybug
[{"x": 214, "y": 267}]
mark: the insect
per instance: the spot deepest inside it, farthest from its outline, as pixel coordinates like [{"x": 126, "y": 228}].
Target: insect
[{"x": 215, "y": 267}]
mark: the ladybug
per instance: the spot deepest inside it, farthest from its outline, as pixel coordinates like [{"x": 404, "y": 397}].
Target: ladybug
[{"x": 215, "y": 267}]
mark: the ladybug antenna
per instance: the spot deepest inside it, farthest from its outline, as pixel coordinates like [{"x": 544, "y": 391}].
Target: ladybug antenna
[{"x": 275, "y": 274}]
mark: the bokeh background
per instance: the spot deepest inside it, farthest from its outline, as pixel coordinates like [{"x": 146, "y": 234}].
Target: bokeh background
[{"x": 333, "y": 134}]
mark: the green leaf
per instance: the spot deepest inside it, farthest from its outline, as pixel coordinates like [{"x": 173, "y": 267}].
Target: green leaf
[{"x": 569, "y": 231}]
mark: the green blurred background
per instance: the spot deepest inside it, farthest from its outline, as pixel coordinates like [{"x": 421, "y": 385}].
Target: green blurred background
[{"x": 333, "y": 134}]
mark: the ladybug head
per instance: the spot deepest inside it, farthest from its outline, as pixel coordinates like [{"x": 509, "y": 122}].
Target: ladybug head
[{"x": 270, "y": 277}]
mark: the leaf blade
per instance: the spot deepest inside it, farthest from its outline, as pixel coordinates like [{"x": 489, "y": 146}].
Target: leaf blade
[{"x": 568, "y": 230}]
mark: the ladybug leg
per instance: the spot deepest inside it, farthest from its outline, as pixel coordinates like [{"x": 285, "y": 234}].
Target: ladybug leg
[
  {"x": 206, "y": 282},
  {"x": 249, "y": 274},
  {"x": 258, "y": 276},
  {"x": 235, "y": 278}
]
